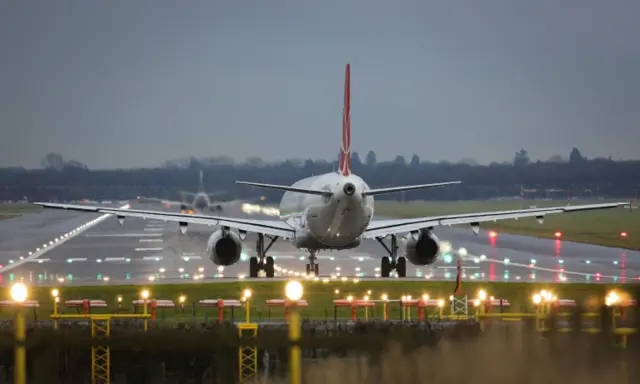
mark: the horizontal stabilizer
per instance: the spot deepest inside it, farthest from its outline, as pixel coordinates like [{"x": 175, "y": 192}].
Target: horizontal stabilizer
[
  {"x": 287, "y": 188},
  {"x": 382, "y": 191}
]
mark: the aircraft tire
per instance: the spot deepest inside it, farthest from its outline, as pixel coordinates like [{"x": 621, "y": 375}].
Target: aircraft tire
[
  {"x": 269, "y": 267},
  {"x": 317, "y": 270},
  {"x": 254, "y": 268},
  {"x": 385, "y": 267},
  {"x": 401, "y": 267}
]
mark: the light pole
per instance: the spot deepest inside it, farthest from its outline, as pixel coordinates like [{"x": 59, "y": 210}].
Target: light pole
[
  {"x": 293, "y": 292},
  {"x": 19, "y": 293},
  {"x": 246, "y": 296},
  {"x": 55, "y": 293},
  {"x": 145, "y": 296},
  {"x": 385, "y": 306}
]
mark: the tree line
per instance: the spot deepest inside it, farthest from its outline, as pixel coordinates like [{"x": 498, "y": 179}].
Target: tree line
[{"x": 577, "y": 177}]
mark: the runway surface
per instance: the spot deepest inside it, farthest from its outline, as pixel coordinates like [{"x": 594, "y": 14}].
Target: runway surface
[{"x": 143, "y": 248}]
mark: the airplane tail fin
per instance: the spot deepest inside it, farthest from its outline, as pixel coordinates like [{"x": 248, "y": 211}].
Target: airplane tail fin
[
  {"x": 345, "y": 146},
  {"x": 201, "y": 184}
]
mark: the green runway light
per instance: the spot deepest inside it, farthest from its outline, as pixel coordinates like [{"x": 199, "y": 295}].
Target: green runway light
[
  {"x": 40, "y": 277},
  {"x": 476, "y": 274},
  {"x": 99, "y": 276},
  {"x": 448, "y": 258},
  {"x": 560, "y": 261},
  {"x": 11, "y": 277},
  {"x": 533, "y": 261},
  {"x": 301, "y": 258},
  {"x": 70, "y": 277},
  {"x": 588, "y": 261},
  {"x": 447, "y": 275},
  {"x": 587, "y": 277},
  {"x": 127, "y": 276},
  {"x": 507, "y": 261}
]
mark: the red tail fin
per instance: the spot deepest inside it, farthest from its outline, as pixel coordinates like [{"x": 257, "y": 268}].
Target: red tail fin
[{"x": 345, "y": 147}]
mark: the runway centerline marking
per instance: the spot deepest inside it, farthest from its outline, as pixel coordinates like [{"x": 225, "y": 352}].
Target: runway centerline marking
[
  {"x": 148, "y": 249},
  {"x": 123, "y": 235}
]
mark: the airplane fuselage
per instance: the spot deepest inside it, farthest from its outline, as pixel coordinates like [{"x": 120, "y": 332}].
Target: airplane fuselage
[
  {"x": 328, "y": 222},
  {"x": 201, "y": 202}
]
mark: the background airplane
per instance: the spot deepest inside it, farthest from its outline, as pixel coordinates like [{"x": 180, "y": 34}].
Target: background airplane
[
  {"x": 332, "y": 211},
  {"x": 196, "y": 202}
]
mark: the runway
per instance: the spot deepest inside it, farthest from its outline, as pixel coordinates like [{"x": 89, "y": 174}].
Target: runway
[{"x": 141, "y": 250}]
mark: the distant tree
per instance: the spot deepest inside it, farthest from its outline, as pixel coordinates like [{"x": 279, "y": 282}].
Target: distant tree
[
  {"x": 556, "y": 159},
  {"x": 468, "y": 162},
  {"x": 52, "y": 161},
  {"x": 371, "y": 159},
  {"x": 575, "y": 157},
  {"x": 521, "y": 158},
  {"x": 415, "y": 161},
  {"x": 400, "y": 160},
  {"x": 75, "y": 164},
  {"x": 355, "y": 160}
]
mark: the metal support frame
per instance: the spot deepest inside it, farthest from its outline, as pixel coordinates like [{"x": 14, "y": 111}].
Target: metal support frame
[
  {"x": 100, "y": 355},
  {"x": 459, "y": 301},
  {"x": 460, "y": 307},
  {"x": 100, "y": 331},
  {"x": 247, "y": 355}
]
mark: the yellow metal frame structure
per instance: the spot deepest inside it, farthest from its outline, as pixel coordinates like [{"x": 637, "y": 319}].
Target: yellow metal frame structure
[
  {"x": 100, "y": 355},
  {"x": 460, "y": 307},
  {"x": 247, "y": 355},
  {"x": 100, "y": 330}
]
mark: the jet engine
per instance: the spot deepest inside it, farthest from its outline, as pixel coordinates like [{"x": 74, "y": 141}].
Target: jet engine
[
  {"x": 224, "y": 247},
  {"x": 422, "y": 247}
]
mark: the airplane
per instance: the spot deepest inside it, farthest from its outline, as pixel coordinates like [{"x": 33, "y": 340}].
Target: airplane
[
  {"x": 332, "y": 211},
  {"x": 200, "y": 201}
]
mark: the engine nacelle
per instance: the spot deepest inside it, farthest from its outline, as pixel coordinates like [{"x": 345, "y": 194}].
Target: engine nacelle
[
  {"x": 422, "y": 248},
  {"x": 224, "y": 247}
]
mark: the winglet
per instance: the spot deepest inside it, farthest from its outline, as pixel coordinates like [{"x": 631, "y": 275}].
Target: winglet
[{"x": 345, "y": 146}]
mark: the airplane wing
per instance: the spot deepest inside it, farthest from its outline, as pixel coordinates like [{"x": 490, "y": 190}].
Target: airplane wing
[
  {"x": 157, "y": 200},
  {"x": 267, "y": 227},
  {"x": 381, "y": 228}
]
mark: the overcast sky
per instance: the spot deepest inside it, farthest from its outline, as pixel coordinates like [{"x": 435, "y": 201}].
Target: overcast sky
[{"x": 133, "y": 83}]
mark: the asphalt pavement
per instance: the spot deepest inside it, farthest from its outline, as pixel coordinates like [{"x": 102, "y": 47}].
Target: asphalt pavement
[{"x": 140, "y": 250}]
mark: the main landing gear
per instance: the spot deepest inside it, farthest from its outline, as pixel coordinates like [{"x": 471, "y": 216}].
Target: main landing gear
[
  {"x": 312, "y": 267},
  {"x": 392, "y": 262},
  {"x": 262, "y": 262}
]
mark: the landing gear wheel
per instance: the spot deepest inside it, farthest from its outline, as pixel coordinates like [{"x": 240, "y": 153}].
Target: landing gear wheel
[
  {"x": 269, "y": 267},
  {"x": 262, "y": 262},
  {"x": 308, "y": 269},
  {"x": 254, "y": 267},
  {"x": 385, "y": 267},
  {"x": 391, "y": 262},
  {"x": 317, "y": 270},
  {"x": 401, "y": 267}
]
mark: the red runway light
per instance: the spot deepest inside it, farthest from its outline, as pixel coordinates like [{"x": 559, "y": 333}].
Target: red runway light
[
  {"x": 623, "y": 234},
  {"x": 558, "y": 234},
  {"x": 492, "y": 234}
]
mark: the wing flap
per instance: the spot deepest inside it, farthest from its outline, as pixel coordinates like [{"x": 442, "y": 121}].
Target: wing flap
[
  {"x": 267, "y": 227},
  {"x": 388, "y": 227}
]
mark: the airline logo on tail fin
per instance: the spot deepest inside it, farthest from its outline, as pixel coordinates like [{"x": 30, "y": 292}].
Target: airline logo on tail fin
[{"x": 345, "y": 145}]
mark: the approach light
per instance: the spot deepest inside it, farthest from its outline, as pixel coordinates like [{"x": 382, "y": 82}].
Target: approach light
[
  {"x": 493, "y": 234},
  {"x": 19, "y": 292},
  {"x": 293, "y": 290},
  {"x": 144, "y": 294},
  {"x": 558, "y": 234},
  {"x": 482, "y": 295},
  {"x": 55, "y": 292},
  {"x": 384, "y": 297},
  {"x": 623, "y": 234},
  {"x": 246, "y": 293}
]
